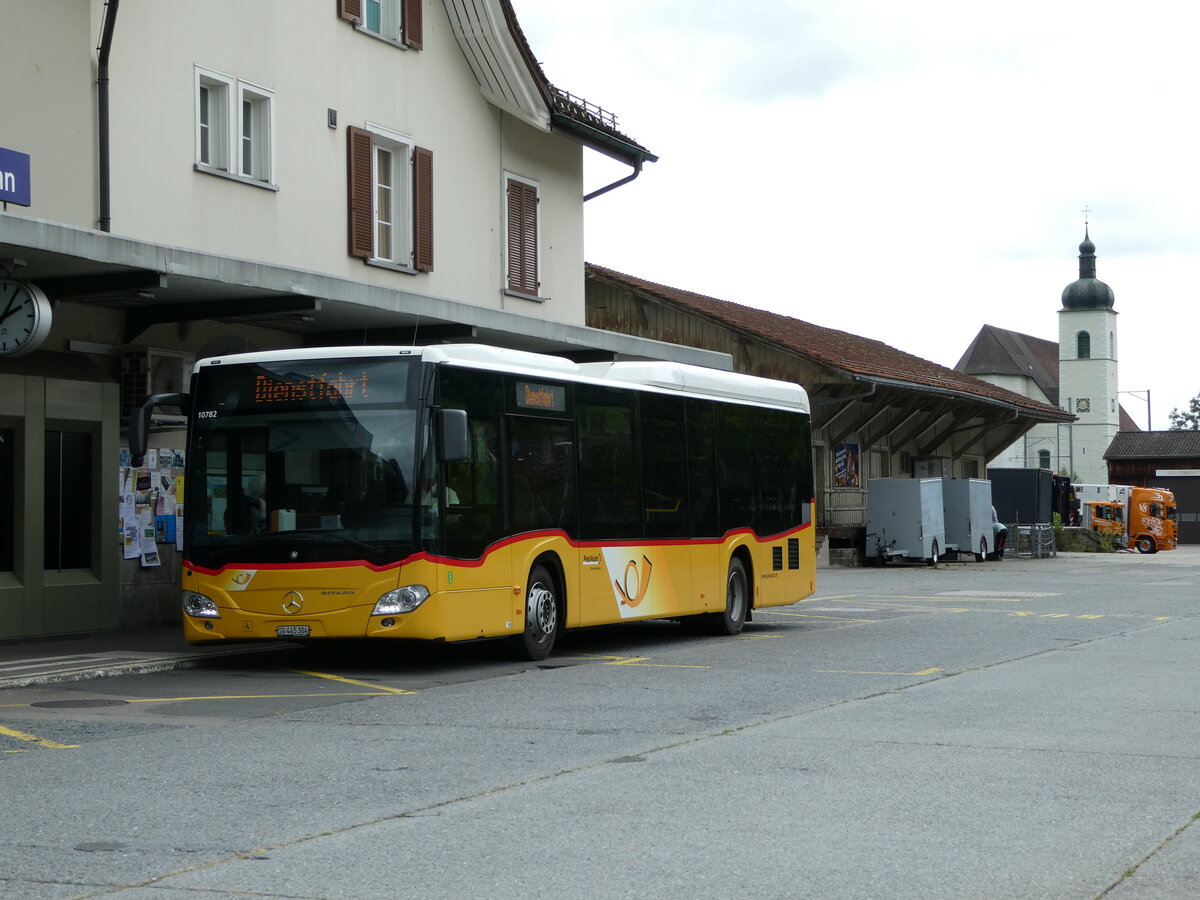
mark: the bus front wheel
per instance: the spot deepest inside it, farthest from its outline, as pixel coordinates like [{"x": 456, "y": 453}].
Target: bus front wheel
[{"x": 543, "y": 616}]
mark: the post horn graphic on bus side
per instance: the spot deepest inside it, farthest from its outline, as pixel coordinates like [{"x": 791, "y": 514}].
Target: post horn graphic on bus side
[{"x": 633, "y": 596}]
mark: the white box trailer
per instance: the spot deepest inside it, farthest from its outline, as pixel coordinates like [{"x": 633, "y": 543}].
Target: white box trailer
[
  {"x": 1113, "y": 493},
  {"x": 905, "y": 519},
  {"x": 968, "y": 516}
]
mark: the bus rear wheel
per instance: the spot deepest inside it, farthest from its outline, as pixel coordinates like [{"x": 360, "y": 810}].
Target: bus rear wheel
[
  {"x": 543, "y": 616},
  {"x": 737, "y": 602}
]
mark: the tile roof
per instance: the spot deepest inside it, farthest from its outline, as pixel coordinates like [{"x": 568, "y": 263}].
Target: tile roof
[
  {"x": 849, "y": 353},
  {"x": 1154, "y": 445}
]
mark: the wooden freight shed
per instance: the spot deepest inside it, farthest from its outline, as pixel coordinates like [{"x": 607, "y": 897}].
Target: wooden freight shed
[
  {"x": 877, "y": 411},
  {"x": 1162, "y": 459}
]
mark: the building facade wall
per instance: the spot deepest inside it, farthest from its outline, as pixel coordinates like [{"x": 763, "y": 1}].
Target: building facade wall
[{"x": 313, "y": 63}]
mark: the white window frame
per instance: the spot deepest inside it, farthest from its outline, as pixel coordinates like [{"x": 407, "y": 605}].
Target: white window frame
[
  {"x": 400, "y": 146},
  {"x": 391, "y": 20},
  {"x": 221, "y": 141},
  {"x": 213, "y": 94},
  {"x": 256, "y": 138},
  {"x": 537, "y": 187}
]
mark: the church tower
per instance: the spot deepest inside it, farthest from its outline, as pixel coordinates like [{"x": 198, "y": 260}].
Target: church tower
[{"x": 1087, "y": 368}]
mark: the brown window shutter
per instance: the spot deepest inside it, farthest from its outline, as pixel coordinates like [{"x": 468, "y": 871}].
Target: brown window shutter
[
  {"x": 351, "y": 10},
  {"x": 358, "y": 178},
  {"x": 422, "y": 209},
  {"x": 522, "y": 237},
  {"x": 414, "y": 33}
]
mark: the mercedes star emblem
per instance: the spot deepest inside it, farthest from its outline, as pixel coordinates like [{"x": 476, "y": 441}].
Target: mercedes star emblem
[{"x": 293, "y": 602}]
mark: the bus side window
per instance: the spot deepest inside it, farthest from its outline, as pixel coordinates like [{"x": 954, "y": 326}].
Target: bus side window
[
  {"x": 702, "y": 468},
  {"x": 736, "y": 467},
  {"x": 664, "y": 466},
  {"x": 609, "y": 504}
]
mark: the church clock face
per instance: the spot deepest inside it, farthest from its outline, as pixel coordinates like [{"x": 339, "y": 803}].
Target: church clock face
[
  {"x": 1083, "y": 404},
  {"x": 24, "y": 317}
]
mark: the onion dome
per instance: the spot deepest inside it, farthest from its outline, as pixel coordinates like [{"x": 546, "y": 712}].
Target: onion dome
[{"x": 1088, "y": 292}]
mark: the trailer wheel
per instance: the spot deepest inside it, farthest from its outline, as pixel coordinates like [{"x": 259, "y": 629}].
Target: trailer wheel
[
  {"x": 1145, "y": 544},
  {"x": 982, "y": 554},
  {"x": 933, "y": 560}
]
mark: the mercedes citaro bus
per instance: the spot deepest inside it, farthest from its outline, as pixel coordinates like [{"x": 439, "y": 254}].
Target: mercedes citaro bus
[{"x": 461, "y": 492}]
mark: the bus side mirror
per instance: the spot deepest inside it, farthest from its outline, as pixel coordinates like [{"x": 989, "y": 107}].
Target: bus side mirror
[
  {"x": 455, "y": 435},
  {"x": 139, "y": 421}
]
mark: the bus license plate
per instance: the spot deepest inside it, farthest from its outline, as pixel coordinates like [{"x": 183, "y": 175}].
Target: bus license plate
[{"x": 292, "y": 631}]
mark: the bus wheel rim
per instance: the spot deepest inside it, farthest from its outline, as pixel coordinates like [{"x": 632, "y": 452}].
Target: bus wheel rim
[{"x": 541, "y": 611}]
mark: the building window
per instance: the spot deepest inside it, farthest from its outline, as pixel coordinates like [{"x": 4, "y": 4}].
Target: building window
[
  {"x": 521, "y": 236},
  {"x": 397, "y": 21},
  {"x": 1083, "y": 345},
  {"x": 67, "y": 494},
  {"x": 1044, "y": 459},
  {"x": 8, "y": 498},
  {"x": 391, "y": 199},
  {"x": 235, "y": 125},
  {"x": 256, "y": 132},
  {"x": 212, "y": 119}
]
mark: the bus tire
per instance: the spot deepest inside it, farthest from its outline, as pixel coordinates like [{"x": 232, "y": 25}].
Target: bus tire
[
  {"x": 1145, "y": 544},
  {"x": 543, "y": 616},
  {"x": 933, "y": 559},
  {"x": 982, "y": 554},
  {"x": 737, "y": 602}
]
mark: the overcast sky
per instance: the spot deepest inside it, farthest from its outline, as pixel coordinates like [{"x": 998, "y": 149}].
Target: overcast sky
[{"x": 907, "y": 171}]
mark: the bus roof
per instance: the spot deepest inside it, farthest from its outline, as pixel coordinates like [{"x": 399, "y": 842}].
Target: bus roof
[{"x": 661, "y": 376}]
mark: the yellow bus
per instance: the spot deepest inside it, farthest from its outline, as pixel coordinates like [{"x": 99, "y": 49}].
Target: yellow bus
[{"x": 463, "y": 492}]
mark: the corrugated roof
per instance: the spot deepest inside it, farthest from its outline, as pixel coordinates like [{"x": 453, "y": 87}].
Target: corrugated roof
[
  {"x": 1154, "y": 445},
  {"x": 850, "y": 353}
]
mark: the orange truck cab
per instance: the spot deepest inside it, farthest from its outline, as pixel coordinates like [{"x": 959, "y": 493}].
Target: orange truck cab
[
  {"x": 1108, "y": 517},
  {"x": 1153, "y": 520}
]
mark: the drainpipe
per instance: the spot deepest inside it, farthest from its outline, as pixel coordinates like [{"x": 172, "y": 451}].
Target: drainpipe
[
  {"x": 637, "y": 170},
  {"x": 110, "y": 22}
]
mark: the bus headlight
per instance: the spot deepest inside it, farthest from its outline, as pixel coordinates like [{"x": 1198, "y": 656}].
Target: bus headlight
[
  {"x": 401, "y": 600},
  {"x": 199, "y": 606}
]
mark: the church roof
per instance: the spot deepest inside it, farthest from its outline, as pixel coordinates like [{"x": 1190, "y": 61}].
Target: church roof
[{"x": 998, "y": 351}]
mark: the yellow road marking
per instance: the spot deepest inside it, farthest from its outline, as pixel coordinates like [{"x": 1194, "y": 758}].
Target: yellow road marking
[
  {"x": 833, "y": 597},
  {"x": 380, "y": 688},
  {"x": 846, "y": 672},
  {"x": 773, "y": 612},
  {"x": 33, "y": 739},
  {"x": 947, "y": 599},
  {"x": 375, "y": 693}
]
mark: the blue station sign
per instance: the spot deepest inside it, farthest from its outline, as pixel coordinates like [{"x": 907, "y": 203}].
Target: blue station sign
[{"x": 14, "y": 177}]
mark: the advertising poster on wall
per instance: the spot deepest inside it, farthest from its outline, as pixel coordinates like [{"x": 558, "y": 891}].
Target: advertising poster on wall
[{"x": 846, "y": 471}]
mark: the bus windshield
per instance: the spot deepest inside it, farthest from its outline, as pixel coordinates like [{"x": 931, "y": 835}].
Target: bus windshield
[{"x": 303, "y": 461}]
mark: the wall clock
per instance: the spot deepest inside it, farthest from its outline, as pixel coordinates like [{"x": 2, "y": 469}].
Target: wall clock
[
  {"x": 1083, "y": 404},
  {"x": 24, "y": 317}
]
